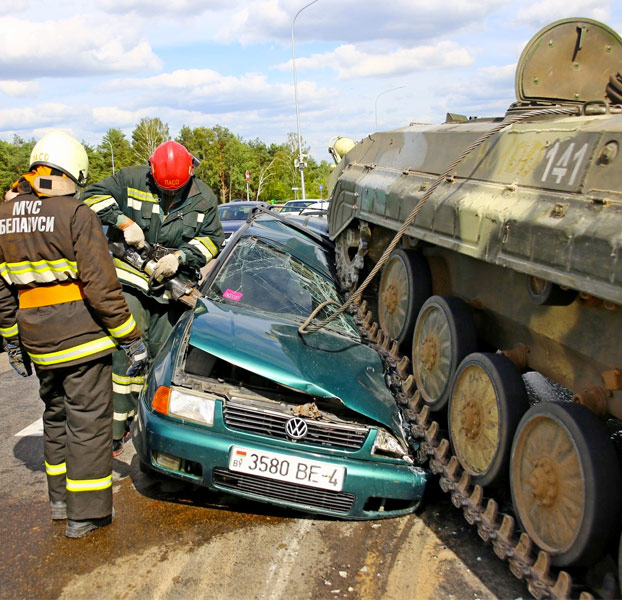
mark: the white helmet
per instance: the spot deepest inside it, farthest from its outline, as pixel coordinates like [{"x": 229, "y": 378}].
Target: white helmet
[
  {"x": 339, "y": 146},
  {"x": 60, "y": 151}
]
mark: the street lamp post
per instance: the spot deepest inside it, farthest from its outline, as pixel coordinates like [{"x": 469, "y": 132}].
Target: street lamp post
[
  {"x": 111, "y": 154},
  {"x": 382, "y": 93},
  {"x": 301, "y": 163}
]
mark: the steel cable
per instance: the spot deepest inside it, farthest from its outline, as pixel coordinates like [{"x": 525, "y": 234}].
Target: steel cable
[{"x": 307, "y": 328}]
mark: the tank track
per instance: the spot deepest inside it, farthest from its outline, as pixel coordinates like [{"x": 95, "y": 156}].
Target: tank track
[{"x": 523, "y": 558}]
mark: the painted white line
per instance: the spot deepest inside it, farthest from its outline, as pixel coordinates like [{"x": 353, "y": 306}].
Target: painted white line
[
  {"x": 284, "y": 561},
  {"x": 35, "y": 428}
]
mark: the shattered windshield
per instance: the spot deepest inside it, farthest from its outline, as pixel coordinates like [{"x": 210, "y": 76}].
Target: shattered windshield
[{"x": 261, "y": 277}]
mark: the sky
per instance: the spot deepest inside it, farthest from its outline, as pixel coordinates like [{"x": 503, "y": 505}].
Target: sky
[{"x": 361, "y": 65}]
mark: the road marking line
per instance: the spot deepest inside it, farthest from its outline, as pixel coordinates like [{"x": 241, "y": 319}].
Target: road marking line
[
  {"x": 35, "y": 428},
  {"x": 284, "y": 561}
]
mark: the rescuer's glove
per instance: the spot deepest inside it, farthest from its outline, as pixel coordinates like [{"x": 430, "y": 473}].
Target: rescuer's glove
[
  {"x": 132, "y": 233},
  {"x": 22, "y": 366},
  {"x": 167, "y": 265},
  {"x": 137, "y": 353}
]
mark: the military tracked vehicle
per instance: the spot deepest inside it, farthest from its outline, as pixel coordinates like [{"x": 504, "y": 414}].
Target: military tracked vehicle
[{"x": 505, "y": 291}]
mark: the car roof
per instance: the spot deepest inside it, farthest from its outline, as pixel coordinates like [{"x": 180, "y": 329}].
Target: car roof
[{"x": 244, "y": 203}]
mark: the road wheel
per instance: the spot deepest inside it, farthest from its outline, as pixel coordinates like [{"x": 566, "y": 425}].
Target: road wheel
[
  {"x": 405, "y": 284},
  {"x": 486, "y": 402},
  {"x": 444, "y": 335},
  {"x": 565, "y": 480}
]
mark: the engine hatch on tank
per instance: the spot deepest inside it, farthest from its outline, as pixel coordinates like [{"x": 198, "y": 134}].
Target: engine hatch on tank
[{"x": 571, "y": 60}]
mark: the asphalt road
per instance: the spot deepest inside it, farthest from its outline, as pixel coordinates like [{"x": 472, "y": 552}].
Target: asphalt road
[{"x": 170, "y": 540}]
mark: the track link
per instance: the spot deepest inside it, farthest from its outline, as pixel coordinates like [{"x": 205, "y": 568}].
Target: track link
[{"x": 523, "y": 558}]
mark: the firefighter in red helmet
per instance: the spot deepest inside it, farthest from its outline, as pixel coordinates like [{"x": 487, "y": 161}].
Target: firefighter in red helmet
[{"x": 163, "y": 203}]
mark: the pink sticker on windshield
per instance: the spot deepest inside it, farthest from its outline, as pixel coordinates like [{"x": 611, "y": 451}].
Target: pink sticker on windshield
[{"x": 232, "y": 295}]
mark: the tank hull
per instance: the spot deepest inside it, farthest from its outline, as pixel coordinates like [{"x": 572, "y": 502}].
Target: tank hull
[{"x": 539, "y": 201}]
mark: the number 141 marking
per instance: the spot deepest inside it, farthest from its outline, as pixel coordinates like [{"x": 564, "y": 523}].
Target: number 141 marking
[{"x": 560, "y": 168}]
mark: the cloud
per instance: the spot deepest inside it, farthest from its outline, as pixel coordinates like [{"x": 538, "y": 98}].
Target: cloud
[
  {"x": 77, "y": 46},
  {"x": 350, "y": 61},
  {"x": 488, "y": 89},
  {"x": 401, "y": 21},
  {"x": 538, "y": 14},
  {"x": 182, "y": 8},
  {"x": 19, "y": 89},
  {"x": 40, "y": 116},
  {"x": 209, "y": 91},
  {"x": 111, "y": 116},
  {"x": 13, "y": 6}
]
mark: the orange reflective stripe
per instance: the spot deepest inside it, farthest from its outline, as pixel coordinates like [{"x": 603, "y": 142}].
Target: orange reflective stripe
[{"x": 46, "y": 295}]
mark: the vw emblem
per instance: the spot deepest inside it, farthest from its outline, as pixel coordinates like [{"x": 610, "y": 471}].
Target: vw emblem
[{"x": 296, "y": 428}]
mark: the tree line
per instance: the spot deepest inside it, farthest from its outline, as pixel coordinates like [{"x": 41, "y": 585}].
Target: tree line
[{"x": 224, "y": 159}]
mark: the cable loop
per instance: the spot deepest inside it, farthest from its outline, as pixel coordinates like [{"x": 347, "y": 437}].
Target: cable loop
[{"x": 515, "y": 118}]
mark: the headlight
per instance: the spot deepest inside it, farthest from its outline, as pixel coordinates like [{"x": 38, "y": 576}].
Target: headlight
[
  {"x": 195, "y": 407},
  {"x": 388, "y": 445}
]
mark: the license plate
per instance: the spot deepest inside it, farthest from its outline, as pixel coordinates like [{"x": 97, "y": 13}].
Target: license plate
[{"x": 303, "y": 471}]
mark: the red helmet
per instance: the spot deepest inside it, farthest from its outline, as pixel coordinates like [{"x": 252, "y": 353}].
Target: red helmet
[{"x": 171, "y": 165}]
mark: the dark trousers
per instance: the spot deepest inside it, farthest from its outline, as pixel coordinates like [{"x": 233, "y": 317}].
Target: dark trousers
[
  {"x": 77, "y": 429},
  {"x": 155, "y": 321}
]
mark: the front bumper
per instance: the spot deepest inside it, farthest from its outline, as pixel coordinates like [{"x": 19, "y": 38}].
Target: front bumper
[{"x": 371, "y": 489}]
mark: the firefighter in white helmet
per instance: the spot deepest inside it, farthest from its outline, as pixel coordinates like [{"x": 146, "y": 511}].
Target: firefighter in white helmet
[{"x": 55, "y": 267}]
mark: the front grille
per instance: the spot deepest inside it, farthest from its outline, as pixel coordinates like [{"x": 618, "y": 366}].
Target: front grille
[
  {"x": 272, "y": 424},
  {"x": 282, "y": 490}
]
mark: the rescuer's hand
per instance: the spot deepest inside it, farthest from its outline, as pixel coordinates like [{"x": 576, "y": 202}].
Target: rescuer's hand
[
  {"x": 16, "y": 360},
  {"x": 133, "y": 234},
  {"x": 137, "y": 353},
  {"x": 167, "y": 266}
]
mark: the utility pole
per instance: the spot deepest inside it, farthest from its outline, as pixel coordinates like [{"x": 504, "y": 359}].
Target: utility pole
[
  {"x": 111, "y": 154},
  {"x": 380, "y": 94},
  {"x": 299, "y": 163}
]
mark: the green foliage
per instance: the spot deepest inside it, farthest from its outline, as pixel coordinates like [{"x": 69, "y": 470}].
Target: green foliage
[
  {"x": 224, "y": 159},
  {"x": 14, "y": 160},
  {"x": 147, "y": 136}
]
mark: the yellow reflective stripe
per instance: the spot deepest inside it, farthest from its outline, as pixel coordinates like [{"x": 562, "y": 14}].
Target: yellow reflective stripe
[
  {"x": 205, "y": 246},
  {"x": 138, "y": 205},
  {"x": 98, "y": 202},
  {"x": 140, "y": 195},
  {"x": 55, "y": 469},
  {"x": 40, "y": 266},
  {"x": 123, "y": 266},
  {"x": 128, "y": 274},
  {"x": 123, "y": 416},
  {"x": 125, "y": 380},
  {"x": 126, "y": 390},
  {"x": 88, "y": 485},
  {"x": 41, "y": 271},
  {"x": 9, "y": 331},
  {"x": 96, "y": 198},
  {"x": 124, "y": 329},
  {"x": 126, "y": 385},
  {"x": 74, "y": 353}
]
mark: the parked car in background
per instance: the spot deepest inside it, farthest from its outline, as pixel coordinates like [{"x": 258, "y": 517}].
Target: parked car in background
[
  {"x": 316, "y": 208},
  {"x": 239, "y": 401},
  {"x": 295, "y": 206},
  {"x": 233, "y": 214}
]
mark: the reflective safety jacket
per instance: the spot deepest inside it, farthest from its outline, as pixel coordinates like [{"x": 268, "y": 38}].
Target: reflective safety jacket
[
  {"x": 58, "y": 288},
  {"x": 190, "y": 224}
]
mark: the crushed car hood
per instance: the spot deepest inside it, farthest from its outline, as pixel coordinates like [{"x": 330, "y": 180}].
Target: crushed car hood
[{"x": 324, "y": 364}]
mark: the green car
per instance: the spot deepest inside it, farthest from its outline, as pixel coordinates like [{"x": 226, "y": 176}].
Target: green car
[{"x": 239, "y": 401}]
